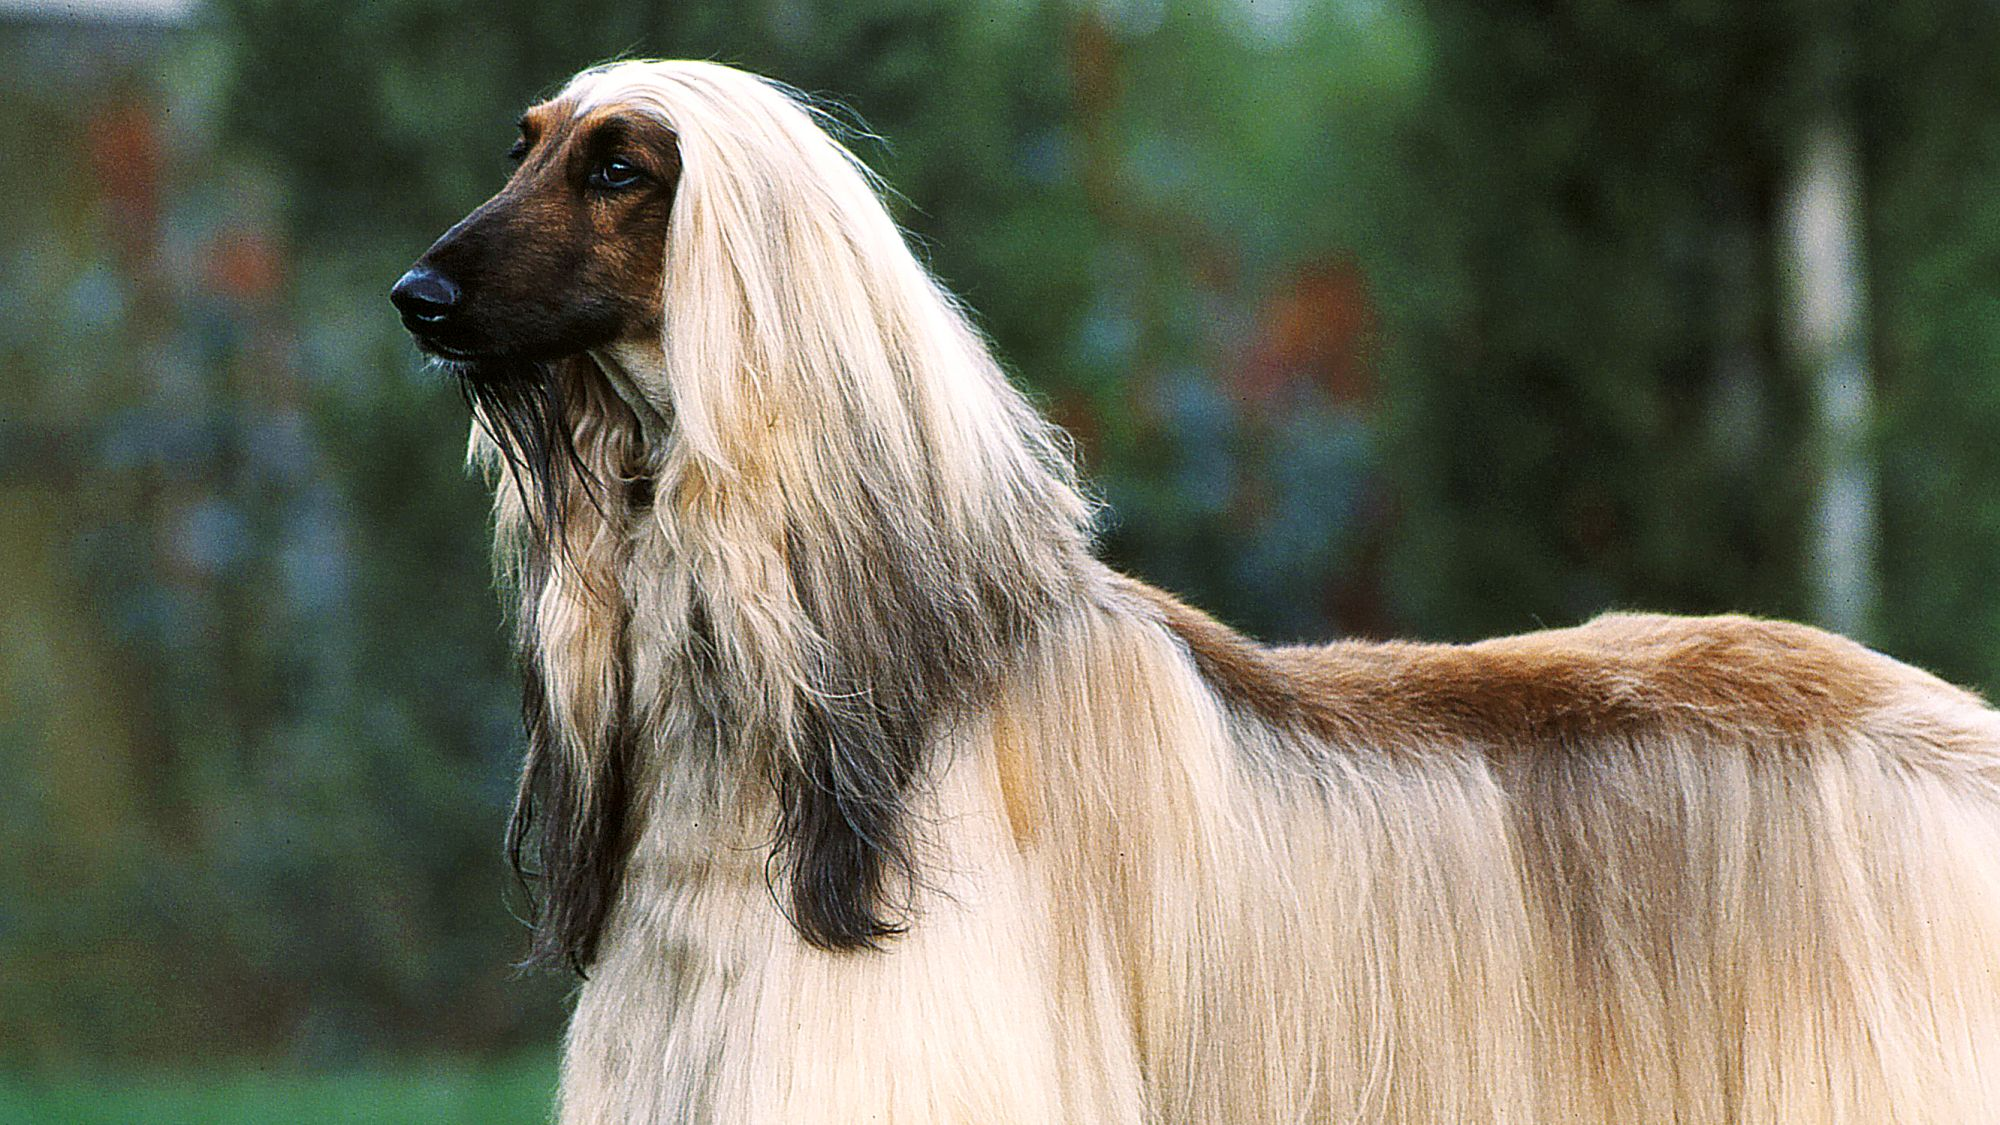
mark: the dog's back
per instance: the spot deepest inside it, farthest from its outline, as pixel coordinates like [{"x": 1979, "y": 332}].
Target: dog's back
[{"x": 1754, "y": 870}]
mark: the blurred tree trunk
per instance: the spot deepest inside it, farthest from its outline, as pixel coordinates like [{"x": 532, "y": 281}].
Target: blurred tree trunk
[{"x": 1828, "y": 325}]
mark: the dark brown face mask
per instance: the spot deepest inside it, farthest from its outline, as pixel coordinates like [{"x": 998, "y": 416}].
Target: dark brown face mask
[{"x": 566, "y": 258}]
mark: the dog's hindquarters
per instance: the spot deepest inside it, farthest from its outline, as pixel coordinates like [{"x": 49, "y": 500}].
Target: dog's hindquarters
[{"x": 1757, "y": 933}]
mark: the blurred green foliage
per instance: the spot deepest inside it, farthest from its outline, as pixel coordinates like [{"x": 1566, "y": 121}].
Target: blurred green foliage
[
  {"x": 511, "y": 1092},
  {"x": 1926, "y": 103},
  {"x": 1598, "y": 406},
  {"x": 1432, "y": 317}
]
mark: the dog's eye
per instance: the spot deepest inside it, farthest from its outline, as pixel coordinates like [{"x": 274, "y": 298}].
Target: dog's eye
[{"x": 615, "y": 174}]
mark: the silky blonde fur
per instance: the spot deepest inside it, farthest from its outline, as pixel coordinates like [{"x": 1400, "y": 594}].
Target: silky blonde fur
[{"x": 1648, "y": 869}]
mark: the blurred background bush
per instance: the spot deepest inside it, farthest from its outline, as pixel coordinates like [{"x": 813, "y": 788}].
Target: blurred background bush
[{"x": 1425, "y": 317}]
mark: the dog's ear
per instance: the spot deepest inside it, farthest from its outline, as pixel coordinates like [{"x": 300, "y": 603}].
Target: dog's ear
[
  {"x": 910, "y": 638},
  {"x": 844, "y": 825},
  {"x": 873, "y": 698},
  {"x": 855, "y": 502}
]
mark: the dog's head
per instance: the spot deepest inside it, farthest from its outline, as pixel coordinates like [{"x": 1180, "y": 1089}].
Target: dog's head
[
  {"x": 566, "y": 258},
  {"x": 565, "y": 263},
  {"x": 692, "y": 294}
]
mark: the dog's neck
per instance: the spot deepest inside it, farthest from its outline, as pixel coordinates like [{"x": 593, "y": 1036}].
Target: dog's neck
[
  {"x": 819, "y": 650},
  {"x": 631, "y": 366}
]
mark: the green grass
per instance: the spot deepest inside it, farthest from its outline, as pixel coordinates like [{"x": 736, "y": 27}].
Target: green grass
[{"x": 443, "y": 1093}]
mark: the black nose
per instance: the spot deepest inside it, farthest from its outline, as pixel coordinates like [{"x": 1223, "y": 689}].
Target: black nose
[{"x": 425, "y": 296}]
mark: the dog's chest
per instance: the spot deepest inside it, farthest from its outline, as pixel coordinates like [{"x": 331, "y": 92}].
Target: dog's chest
[{"x": 706, "y": 1006}]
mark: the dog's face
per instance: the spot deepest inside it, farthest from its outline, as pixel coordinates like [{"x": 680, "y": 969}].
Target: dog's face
[{"x": 567, "y": 257}]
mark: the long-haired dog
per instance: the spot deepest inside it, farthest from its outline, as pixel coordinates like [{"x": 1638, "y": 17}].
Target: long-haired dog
[{"x": 861, "y": 792}]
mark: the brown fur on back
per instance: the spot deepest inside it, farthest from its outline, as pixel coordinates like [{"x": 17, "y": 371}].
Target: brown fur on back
[{"x": 1629, "y": 675}]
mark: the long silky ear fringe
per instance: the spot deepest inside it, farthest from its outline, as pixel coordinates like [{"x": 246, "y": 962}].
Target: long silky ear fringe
[
  {"x": 843, "y": 837},
  {"x": 909, "y": 648},
  {"x": 576, "y": 829}
]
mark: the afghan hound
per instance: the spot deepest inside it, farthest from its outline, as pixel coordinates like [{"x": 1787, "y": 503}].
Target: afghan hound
[{"x": 860, "y": 791}]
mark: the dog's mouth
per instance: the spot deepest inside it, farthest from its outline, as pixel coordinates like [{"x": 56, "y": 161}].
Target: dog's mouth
[
  {"x": 449, "y": 340},
  {"x": 460, "y": 342},
  {"x": 464, "y": 349},
  {"x": 484, "y": 364},
  {"x": 434, "y": 347}
]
